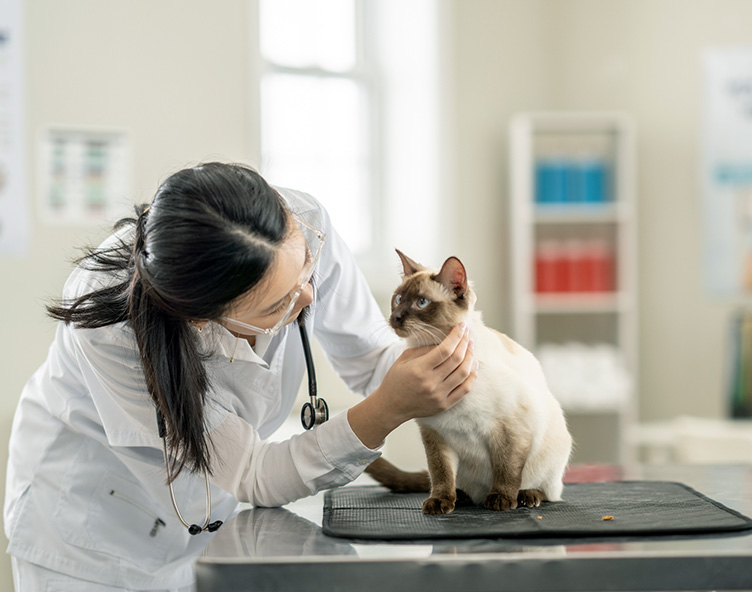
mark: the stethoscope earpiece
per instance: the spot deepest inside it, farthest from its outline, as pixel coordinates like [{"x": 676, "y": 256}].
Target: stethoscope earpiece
[
  {"x": 214, "y": 526},
  {"x": 195, "y": 529}
]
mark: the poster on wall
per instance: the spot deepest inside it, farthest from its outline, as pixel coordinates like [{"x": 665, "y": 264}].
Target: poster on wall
[
  {"x": 14, "y": 207},
  {"x": 727, "y": 171},
  {"x": 84, "y": 176}
]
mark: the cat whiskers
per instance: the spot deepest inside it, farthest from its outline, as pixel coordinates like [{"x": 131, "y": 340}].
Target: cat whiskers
[
  {"x": 435, "y": 332},
  {"x": 421, "y": 331}
]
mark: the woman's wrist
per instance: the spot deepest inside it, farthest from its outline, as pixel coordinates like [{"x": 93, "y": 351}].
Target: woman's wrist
[{"x": 372, "y": 420}]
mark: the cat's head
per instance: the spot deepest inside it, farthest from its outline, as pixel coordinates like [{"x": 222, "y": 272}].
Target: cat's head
[{"x": 428, "y": 303}]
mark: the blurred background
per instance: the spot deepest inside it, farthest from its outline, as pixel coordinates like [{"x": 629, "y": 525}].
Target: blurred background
[{"x": 541, "y": 141}]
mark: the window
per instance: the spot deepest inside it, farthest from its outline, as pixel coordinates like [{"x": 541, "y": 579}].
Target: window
[
  {"x": 351, "y": 111},
  {"x": 317, "y": 108}
]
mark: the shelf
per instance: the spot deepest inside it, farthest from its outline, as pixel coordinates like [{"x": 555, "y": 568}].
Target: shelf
[
  {"x": 576, "y": 213},
  {"x": 558, "y": 243},
  {"x": 576, "y": 123},
  {"x": 568, "y": 303},
  {"x": 616, "y": 408}
]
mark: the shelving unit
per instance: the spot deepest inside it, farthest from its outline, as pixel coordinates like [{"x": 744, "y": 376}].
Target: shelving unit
[{"x": 574, "y": 283}]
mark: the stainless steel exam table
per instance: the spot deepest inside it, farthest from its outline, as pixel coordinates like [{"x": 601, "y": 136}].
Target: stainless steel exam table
[{"x": 285, "y": 549}]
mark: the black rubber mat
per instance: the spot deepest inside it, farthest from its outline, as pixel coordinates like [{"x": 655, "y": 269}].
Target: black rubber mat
[{"x": 618, "y": 508}]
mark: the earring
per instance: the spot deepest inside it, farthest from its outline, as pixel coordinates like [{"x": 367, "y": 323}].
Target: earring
[{"x": 199, "y": 328}]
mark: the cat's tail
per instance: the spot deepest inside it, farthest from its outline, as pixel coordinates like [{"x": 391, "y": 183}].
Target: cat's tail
[{"x": 398, "y": 480}]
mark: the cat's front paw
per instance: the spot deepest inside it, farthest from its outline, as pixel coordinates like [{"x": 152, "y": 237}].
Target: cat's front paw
[
  {"x": 531, "y": 498},
  {"x": 438, "y": 505},
  {"x": 500, "y": 501}
]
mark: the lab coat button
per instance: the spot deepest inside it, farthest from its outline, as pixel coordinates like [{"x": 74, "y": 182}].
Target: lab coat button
[{"x": 364, "y": 461}]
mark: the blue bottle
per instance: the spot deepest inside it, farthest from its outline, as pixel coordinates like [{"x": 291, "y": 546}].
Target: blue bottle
[
  {"x": 550, "y": 181},
  {"x": 594, "y": 181}
]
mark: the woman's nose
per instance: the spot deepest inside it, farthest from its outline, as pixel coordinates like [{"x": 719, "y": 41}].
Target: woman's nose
[{"x": 305, "y": 298}]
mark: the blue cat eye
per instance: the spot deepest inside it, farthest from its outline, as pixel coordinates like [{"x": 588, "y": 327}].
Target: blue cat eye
[
  {"x": 398, "y": 298},
  {"x": 423, "y": 302}
]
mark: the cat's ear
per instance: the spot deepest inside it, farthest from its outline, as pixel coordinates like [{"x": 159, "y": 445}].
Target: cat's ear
[
  {"x": 409, "y": 267},
  {"x": 453, "y": 276}
]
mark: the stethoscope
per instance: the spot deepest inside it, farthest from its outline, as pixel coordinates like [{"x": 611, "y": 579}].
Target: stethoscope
[
  {"x": 313, "y": 413},
  {"x": 316, "y": 411}
]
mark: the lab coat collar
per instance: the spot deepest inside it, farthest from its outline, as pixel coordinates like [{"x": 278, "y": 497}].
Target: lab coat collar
[{"x": 217, "y": 338}]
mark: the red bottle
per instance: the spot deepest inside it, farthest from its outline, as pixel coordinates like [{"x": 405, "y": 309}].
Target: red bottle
[
  {"x": 600, "y": 267},
  {"x": 547, "y": 267}
]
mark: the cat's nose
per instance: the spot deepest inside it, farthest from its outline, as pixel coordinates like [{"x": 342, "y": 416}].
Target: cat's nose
[{"x": 396, "y": 320}]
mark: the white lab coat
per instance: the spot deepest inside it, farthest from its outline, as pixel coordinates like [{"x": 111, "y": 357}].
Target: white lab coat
[{"x": 86, "y": 486}]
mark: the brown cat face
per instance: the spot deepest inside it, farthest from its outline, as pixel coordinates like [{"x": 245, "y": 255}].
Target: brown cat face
[{"x": 427, "y": 304}]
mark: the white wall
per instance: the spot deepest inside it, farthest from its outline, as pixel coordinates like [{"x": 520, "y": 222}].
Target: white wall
[{"x": 173, "y": 73}]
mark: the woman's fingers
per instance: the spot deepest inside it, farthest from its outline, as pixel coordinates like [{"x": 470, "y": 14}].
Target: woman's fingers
[
  {"x": 461, "y": 381},
  {"x": 442, "y": 352},
  {"x": 446, "y": 351},
  {"x": 462, "y": 352},
  {"x": 426, "y": 381},
  {"x": 456, "y": 373}
]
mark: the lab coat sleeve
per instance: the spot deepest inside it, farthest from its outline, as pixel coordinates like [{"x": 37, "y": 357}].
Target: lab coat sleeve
[
  {"x": 262, "y": 473},
  {"x": 271, "y": 474},
  {"x": 349, "y": 325}
]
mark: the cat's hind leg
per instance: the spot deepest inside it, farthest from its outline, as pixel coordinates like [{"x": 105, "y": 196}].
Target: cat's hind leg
[{"x": 558, "y": 453}]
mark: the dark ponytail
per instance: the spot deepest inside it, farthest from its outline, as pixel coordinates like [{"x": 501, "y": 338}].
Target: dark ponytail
[{"x": 208, "y": 237}]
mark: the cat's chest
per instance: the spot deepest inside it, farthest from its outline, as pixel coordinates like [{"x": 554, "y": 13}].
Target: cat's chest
[{"x": 475, "y": 415}]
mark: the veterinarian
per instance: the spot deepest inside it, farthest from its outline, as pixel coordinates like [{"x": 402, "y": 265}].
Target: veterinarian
[{"x": 177, "y": 353}]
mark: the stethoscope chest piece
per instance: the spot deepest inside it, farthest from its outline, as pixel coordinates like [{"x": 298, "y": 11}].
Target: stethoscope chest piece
[{"x": 314, "y": 413}]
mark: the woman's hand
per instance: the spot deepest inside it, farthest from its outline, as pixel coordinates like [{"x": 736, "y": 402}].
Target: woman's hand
[
  {"x": 427, "y": 380},
  {"x": 422, "y": 382}
]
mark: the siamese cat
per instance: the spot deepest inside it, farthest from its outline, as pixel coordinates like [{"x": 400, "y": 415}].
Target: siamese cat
[{"x": 508, "y": 435}]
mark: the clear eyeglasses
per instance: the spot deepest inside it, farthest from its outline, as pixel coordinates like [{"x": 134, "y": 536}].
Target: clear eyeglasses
[{"x": 315, "y": 240}]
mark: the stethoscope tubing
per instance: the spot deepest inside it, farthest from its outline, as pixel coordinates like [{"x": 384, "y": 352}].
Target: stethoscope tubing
[
  {"x": 207, "y": 518},
  {"x": 310, "y": 369},
  {"x": 316, "y": 411},
  {"x": 313, "y": 413}
]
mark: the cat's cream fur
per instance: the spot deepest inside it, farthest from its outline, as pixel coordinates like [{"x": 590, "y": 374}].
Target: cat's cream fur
[{"x": 509, "y": 434}]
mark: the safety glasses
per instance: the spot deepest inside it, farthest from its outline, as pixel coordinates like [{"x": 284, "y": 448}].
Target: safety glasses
[{"x": 315, "y": 240}]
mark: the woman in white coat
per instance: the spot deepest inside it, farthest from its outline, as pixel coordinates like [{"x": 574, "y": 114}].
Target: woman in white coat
[{"x": 184, "y": 318}]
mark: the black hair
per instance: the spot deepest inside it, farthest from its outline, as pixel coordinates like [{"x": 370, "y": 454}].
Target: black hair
[{"x": 209, "y": 236}]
